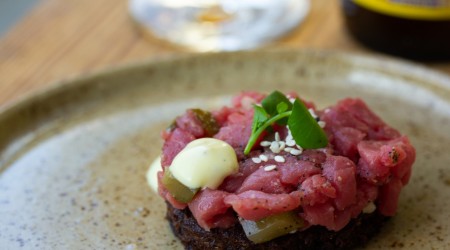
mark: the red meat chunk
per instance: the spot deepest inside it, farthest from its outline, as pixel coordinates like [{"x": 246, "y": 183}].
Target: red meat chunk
[
  {"x": 255, "y": 205},
  {"x": 210, "y": 211}
]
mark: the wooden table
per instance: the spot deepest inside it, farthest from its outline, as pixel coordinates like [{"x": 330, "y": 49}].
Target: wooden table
[{"x": 61, "y": 39}]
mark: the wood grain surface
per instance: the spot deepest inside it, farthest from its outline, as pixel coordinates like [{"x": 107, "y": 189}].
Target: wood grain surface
[{"x": 61, "y": 39}]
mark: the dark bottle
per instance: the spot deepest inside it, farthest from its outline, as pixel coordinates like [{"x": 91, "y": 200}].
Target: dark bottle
[{"x": 415, "y": 29}]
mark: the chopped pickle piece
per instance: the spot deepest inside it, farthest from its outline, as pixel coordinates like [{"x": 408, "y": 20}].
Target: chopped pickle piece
[
  {"x": 179, "y": 191},
  {"x": 208, "y": 122},
  {"x": 172, "y": 126},
  {"x": 271, "y": 227}
]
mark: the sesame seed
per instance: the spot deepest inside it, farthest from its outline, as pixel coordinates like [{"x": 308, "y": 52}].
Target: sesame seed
[
  {"x": 370, "y": 208},
  {"x": 322, "y": 124},
  {"x": 288, "y": 149},
  {"x": 265, "y": 143},
  {"x": 277, "y": 136},
  {"x": 263, "y": 158},
  {"x": 290, "y": 143},
  {"x": 256, "y": 160},
  {"x": 275, "y": 147},
  {"x": 313, "y": 114},
  {"x": 279, "y": 158},
  {"x": 270, "y": 168},
  {"x": 282, "y": 145},
  {"x": 296, "y": 152},
  {"x": 292, "y": 100}
]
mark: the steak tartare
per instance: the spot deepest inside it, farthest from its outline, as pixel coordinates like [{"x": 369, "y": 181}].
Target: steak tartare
[{"x": 279, "y": 193}]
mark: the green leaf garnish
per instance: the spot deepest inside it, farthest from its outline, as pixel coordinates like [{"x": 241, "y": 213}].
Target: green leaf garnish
[
  {"x": 260, "y": 116},
  {"x": 304, "y": 128},
  {"x": 271, "y": 102},
  {"x": 258, "y": 130},
  {"x": 282, "y": 107},
  {"x": 277, "y": 109}
]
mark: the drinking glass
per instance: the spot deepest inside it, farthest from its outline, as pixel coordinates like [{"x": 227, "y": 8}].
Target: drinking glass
[{"x": 219, "y": 25}]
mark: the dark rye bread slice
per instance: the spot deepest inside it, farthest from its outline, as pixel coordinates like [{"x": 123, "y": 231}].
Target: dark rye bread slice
[{"x": 356, "y": 233}]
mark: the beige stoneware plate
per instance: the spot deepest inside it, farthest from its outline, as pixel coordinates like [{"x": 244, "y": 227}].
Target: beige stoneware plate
[{"x": 73, "y": 158}]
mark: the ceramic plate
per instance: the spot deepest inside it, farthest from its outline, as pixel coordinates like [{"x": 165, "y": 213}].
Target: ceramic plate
[{"x": 73, "y": 158}]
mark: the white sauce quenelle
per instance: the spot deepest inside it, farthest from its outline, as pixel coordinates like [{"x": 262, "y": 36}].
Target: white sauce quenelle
[
  {"x": 152, "y": 174},
  {"x": 204, "y": 163}
]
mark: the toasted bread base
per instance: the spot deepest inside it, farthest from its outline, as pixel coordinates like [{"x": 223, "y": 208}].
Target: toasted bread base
[{"x": 357, "y": 233}]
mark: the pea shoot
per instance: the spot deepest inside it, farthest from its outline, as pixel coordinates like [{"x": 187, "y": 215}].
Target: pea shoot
[{"x": 277, "y": 109}]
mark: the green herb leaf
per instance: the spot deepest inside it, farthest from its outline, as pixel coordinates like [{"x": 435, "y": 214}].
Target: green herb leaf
[
  {"x": 282, "y": 107},
  {"x": 271, "y": 102},
  {"x": 259, "y": 118},
  {"x": 255, "y": 135},
  {"x": 304, "y": 128},
  {"x": 276, "y": 108}
]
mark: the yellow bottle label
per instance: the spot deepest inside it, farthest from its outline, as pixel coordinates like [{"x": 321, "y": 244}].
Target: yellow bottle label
[{"x": 411, "y": 9}]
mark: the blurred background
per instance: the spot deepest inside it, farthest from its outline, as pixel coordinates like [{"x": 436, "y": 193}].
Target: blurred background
[
  {"x": 12, "y": 10},
  {"x": 44, "y": 41}
]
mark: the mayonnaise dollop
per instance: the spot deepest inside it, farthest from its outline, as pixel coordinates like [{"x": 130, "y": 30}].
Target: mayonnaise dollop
[
  {"x": 204, "y": 163},
  {"x": 152, "y": 174}
]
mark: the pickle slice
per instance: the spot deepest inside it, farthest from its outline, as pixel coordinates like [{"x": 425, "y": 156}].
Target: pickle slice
[
  {"x": 179, "y": 191},
  {"x": 208, "y": 122},
  {"x": 271, "y": 227}
]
